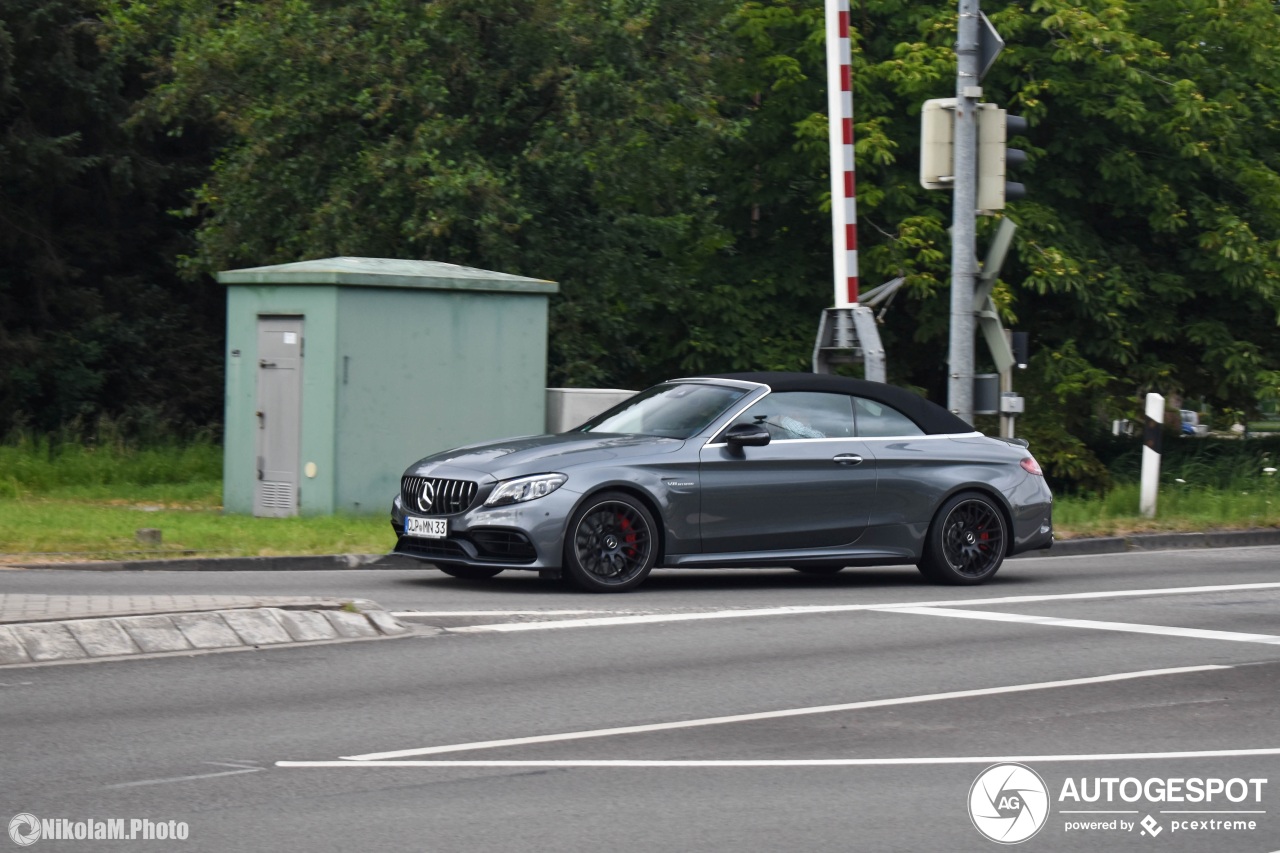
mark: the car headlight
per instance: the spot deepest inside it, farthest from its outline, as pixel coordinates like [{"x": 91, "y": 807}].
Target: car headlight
[{"x": 524, "y": 489}]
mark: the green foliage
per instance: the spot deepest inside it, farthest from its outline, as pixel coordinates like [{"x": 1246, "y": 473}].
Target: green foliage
[
  {"x": 1246, "y": 502},
  {"x": 573, "y": 141},
  {"x": 1148, "y": 253},
  {"x": 104, "y": 460},
  {"x": 92, "y": 318},
  {"x": 1199, "y": 463}
]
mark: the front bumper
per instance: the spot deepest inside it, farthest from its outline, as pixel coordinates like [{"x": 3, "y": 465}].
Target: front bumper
[{"x": 518, "y": 536}]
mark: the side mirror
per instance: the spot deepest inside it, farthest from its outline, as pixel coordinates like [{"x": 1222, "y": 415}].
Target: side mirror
[{"x": 747, "y": 435}]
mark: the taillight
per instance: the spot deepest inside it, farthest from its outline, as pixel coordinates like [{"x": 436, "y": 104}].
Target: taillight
[{"x": 1031, "y": 466}]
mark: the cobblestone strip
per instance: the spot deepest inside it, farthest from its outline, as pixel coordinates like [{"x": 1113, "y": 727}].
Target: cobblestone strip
[
  {"x": 119, "y": 636},
  {"x": 16, "y": 608}
]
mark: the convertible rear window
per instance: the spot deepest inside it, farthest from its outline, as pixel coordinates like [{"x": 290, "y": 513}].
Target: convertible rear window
[{"x": 672, "y": 410}]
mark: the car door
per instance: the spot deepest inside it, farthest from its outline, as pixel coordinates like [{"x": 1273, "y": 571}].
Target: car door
[
  {"x": 810, "y": 487},
  {"x": 911, "y": 467}
]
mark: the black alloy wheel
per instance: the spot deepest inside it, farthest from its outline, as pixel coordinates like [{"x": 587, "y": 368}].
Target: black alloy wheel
[
  {"x": 967, "y": 541},
  {"x": 611, "y": 544}
]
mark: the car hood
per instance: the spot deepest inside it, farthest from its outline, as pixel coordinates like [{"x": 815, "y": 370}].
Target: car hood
[{"x": 536, "y": 454}]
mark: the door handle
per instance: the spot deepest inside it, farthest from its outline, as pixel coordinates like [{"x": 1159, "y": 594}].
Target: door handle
[{"x": 847, "y": 459}]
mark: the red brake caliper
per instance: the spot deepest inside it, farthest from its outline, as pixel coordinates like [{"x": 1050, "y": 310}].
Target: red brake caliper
[{"x": 628, "y": 535}]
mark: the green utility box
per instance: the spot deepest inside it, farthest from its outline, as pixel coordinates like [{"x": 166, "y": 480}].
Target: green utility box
[{"x": 343, "y": 371}]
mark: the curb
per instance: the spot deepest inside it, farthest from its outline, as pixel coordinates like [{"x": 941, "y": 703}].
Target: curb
[
  {"x": 1158, "y": 542},
  {"x": 322, "y": 563},
  {"x": 113, "y": 637}
]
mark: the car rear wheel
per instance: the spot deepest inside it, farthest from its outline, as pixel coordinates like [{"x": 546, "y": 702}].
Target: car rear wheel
[
  {"x": 611, "y": 544},
  {"x": 967, "y": 541},
  {"x": 469, "y": 572}
]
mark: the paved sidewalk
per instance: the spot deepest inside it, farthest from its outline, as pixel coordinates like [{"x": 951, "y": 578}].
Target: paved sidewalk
[{"x": 41, "y": 629}]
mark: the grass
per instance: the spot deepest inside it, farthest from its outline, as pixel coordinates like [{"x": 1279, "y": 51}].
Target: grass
[
  {"x": 72, "y": 500},
  {"x": 61, "y": 529},
  {"x": 1247, "y": 503}
]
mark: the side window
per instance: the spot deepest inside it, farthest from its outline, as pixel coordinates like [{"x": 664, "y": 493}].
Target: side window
[
  {"x": 802, "y": 414},
  {"x": 876, "y": 419}
]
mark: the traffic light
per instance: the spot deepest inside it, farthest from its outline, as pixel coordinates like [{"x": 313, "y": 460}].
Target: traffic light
[
  {"x": 1021, "y": 348},
  {"x": 995, "y": 158},
  {"x": 937, "y": 132}
]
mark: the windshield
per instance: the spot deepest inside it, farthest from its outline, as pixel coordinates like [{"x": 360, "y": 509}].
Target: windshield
[{"x": 673, "y": 410}]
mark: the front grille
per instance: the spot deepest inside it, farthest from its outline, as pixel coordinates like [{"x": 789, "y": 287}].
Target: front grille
[{"x": 448, "y": 497}]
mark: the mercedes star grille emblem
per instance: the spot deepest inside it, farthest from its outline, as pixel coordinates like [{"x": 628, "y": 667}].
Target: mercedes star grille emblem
[{"x": 428, "y": 496}]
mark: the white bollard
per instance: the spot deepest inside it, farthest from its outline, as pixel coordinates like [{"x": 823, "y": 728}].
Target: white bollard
[{"x": 1151, "y": 455}]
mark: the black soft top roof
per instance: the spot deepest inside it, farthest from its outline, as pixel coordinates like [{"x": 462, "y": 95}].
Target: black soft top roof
[{"x": 930, "y": 417}]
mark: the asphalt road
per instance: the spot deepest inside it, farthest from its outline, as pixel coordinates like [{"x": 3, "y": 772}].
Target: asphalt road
[{"x": 707, "y": 711}]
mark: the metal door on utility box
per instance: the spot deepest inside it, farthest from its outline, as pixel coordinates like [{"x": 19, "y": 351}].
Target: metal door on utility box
[{"x": 279, "y": 416}]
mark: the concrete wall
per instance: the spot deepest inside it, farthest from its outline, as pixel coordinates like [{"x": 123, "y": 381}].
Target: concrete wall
[{"x": 571, "y": 407}]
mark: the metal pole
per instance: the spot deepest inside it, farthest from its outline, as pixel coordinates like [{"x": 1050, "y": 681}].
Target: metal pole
[
  {"x": 1006, "y": 419},
  {"x": 964, "y": 214},
  {"x": 844, "y": 206},
  {"x": 1006, "y": 387},
  {"x": 1150, "y": 488}
]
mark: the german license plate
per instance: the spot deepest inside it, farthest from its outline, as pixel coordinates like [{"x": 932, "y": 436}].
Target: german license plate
[{"x": 428, "y": 528}]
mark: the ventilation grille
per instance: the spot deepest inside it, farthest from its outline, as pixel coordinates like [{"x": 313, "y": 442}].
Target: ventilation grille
[{"x": 275, "y": 495}]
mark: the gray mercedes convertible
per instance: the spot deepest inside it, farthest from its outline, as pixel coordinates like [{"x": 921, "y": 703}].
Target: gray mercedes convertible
[{"x": 807, "y": 471}]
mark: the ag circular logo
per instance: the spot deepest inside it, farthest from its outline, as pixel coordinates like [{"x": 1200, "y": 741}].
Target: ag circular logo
[
  {"x": 1008, "y": 803},
  {"x": 24, "y": 829}
]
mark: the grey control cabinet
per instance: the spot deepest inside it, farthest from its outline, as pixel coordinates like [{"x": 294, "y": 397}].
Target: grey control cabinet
[{"x": 343, "y": 371}]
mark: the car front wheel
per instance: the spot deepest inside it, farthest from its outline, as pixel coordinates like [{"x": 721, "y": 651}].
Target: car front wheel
[
  {"x": 611, "y": 543},
  {"x": 966, "y": 543}
]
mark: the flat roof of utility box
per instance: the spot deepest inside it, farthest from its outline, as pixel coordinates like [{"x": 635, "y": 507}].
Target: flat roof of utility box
[{"x": 388, "y": 272}]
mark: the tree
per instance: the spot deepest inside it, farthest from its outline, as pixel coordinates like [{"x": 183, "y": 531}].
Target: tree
[
  {"x": 571, "y": 141},
  {"x": 89, "y": 321}
]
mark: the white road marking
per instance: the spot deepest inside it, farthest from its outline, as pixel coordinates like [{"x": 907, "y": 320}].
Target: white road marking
[
  {"x": 171, "y": 779},
  {"x": 501, "y": 612},
  {"x": 803, "y": 762},
  {"x": 773, "y": 715},
  {"x": 796, "y": 610},
  {"x": 1054, "y": 621},
  {"x": 239, "y": 765}
]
